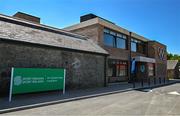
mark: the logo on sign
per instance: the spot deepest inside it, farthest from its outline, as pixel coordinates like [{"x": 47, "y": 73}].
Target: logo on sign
[
  {"x": 161, "y": 52},
  {"x": 17, "y": 80},
  {"x": 142, "y": 68}
]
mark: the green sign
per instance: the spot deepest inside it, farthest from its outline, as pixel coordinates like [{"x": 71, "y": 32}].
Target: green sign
[{"x": 26, "y": 80}]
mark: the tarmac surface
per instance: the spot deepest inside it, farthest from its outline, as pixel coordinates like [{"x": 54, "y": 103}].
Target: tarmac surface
[{"x": 160, "y": 101}]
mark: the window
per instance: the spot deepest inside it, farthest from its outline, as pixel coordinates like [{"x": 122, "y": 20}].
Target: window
[
  {"x": 137, "y": 46},
  {"x": 120, "y": 43},
  {"x": 109, "y": 40},
  {"x": 133, "y": 47},
  {"x": 117, "y": 68},
  {"x": 141, "y": 47},
  {"x": 122, "y": 69},
  {"x": 114, "y": 39},
  {"x": 112, "y": 68},
  {"x": 151, "y": 71}
]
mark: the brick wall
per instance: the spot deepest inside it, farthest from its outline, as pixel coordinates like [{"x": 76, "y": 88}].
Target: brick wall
[
  {"x": 95, "y": 32},
  {"x": 161, "y": 64},
  {"x": 91, "y": 31}
]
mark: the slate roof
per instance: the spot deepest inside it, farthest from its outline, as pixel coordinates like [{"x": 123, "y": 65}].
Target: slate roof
[
  {"x": 20, "y": 30},
  {"x": 171, "y": 64}
]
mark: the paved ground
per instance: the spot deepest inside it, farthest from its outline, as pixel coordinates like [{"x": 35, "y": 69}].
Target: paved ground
[
  {"x": 26, "y": 100},
  {"x": 161, "y": 101}
]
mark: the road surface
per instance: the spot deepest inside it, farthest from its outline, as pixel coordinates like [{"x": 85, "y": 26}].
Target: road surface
[{"x": 159, "y": 101}]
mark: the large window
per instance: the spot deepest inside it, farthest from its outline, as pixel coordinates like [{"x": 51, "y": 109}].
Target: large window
[
  {"x": 121, "y": 41},
  {"x": 114, "y": 39},
  {"x": 133, "y": 47},
  {"x": 117, "y": 68},
  {"x": 137, "y": 46},
  {"x": 109, "y": 40}
]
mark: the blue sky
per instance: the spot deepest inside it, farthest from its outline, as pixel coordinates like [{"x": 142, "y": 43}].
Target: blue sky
[{"x": 155, "y": 19}]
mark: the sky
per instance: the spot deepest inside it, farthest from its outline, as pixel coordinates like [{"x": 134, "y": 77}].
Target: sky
[{"x": 154, "y": 19}]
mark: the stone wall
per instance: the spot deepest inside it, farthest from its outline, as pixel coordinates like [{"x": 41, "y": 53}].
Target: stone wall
[
  {"x": 177, "y": 72},
  {"x": 83, "y": 69},
  {"x": 170, "y": 74},
  {"x": 174, "y": 73}
]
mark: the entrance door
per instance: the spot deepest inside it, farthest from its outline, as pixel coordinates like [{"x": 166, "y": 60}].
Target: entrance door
[{"x": 141, "y": 72}]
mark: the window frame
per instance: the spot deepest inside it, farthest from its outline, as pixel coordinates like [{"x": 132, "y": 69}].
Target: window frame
[
  {"x": 117, "y": 66},
  {"x": 152, "y": 70},
  {"x": 116, "y": 36},
  {"x": 132, "y": 47},
  {"x": 138, "y": 42},
  {"x": 113, "y": 40},
  {"x": 125, "y": 43}
]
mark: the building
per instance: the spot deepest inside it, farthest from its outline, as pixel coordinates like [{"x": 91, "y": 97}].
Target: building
[
  {"x": 24, "y": 42},
  {"x": 173, "y": 69},
  {"x": 94, "y": 52},
  {"x": 123, "y": 46}
]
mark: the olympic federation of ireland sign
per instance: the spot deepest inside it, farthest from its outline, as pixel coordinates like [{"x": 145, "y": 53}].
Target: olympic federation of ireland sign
[{"x": 27, "y": 80}]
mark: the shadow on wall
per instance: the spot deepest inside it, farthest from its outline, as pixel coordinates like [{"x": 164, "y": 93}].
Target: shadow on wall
[{"x": 4, "y": 82}]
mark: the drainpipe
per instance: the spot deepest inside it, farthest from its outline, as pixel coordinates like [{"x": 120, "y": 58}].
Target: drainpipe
[
  {"x": 132, "y": 78},
  {"x": 105, "y": 68}
]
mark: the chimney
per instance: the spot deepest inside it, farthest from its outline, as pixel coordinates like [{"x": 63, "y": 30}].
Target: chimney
[
  {"x": 87, "y": 17},
  {"x": 92, "y": 16},
  {"x": 27, "y": 17}
]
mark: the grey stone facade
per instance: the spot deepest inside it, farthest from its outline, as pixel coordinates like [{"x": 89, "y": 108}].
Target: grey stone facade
[
  {"x": 24, "y": 44},
  {"x": 83, "y": 69},
  {"x": 173, "y": 69}
]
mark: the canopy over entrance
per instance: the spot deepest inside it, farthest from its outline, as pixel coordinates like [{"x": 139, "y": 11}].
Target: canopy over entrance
[{"x": 144, "y": 59}]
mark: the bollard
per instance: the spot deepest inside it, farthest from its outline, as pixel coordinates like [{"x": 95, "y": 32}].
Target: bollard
[
  {"x": 168, "y": 80},
  {"x": 134, "y": 82},
  {"x": 142, "y": 83},
  {"x": 154, "y": 80},
  {"x": 149, "y": 81},
  {"x": 159, "y": 80}
]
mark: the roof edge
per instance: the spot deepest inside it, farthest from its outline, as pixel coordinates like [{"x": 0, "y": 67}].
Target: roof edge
[
  {"x": 104, "y": 23},
  {"x": 47, "y": 45},
  {"x": 39, "y": 26}
]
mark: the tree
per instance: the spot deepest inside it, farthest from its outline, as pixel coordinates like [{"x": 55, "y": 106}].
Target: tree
[{"x": 171, "y": 56}]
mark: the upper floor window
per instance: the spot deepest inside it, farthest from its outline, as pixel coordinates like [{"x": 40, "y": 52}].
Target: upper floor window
[
  {"x": 137, "y": 46},
  {"x": 109, "y": 39},
  {"x": 133, "y": 46},
  {"x": 114, "y": 39},
  {"x": 120, "y": 43}
]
